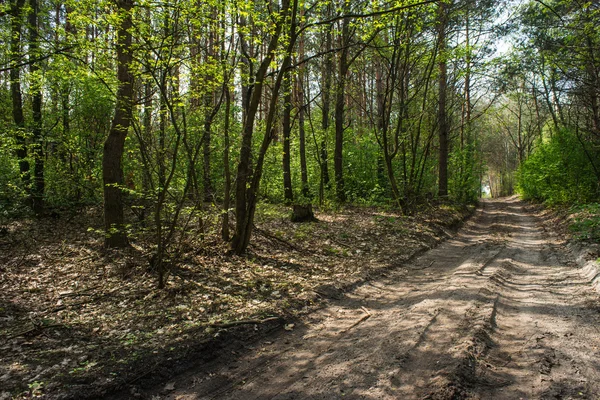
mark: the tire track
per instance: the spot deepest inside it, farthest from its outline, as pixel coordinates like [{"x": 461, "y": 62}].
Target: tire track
[
  {"x": 417, "y": 324},
  {"x": 495, "y": 312}
]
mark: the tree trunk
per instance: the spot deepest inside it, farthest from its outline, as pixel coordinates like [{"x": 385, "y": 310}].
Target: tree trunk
[
  {"x": 15, "y": 90},
  {"x": 112, "y": 170},
  {"x": 467, "y": 160},
  {"x": 547, "y": 99},
  {"x": 326, "y": 91},
  {"x": 303, "y": 213},
  {"x": 442, "y": 117},
  {"x": 206, "y": 151},
  {"x": 226, "y": 171},
  {"x": 66, "y": 87},
  {"x": 144, "y": 139},
  {"x": 209, "y": 100},
  {"x": 288, "y": 192},
  {"x": 244, "y": 213},
  {"x": 338, "y": 162},
  {"x": 37, "y": 149},
  {"x": 301, "y": 130},
  {"x": 248, "y": 180},
  {"x": 383, "y": 100}
]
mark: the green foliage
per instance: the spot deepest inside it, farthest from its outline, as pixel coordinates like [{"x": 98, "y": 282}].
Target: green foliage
[
  {"x": 559, "y": 172},
  {"x": 465, "y": 179},
  {"x": 564, "y": 168},
  {"x": 586, "y": 223},
  {"x": 362, "y": 183},
  {"x": 12, "y": 193},
  {"x": 186, "y": 59},
  {"x": 73, "y": 164},
  {"x": 36, "y": 388}
]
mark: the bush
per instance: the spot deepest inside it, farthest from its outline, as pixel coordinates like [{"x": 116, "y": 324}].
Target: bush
[
  {"x": 559, "y": 172},
  {"x": 586, "y": 222},
  {"x": 12, "y": 193}
]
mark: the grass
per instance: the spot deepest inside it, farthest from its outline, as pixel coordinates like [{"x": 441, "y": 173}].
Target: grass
[{"x": 585, "y": 221}]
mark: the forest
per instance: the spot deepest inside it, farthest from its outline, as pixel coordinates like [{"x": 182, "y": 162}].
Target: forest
[
  {"x": 181, "y": 146},
  {"x": 158, "y": 110}
]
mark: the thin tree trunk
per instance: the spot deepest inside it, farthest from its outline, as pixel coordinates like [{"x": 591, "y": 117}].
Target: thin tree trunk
[
  {"x": 248, "y": 180},
  {"x": 145, "y": 139},
  {"x": 226, "y": 170},
  {"x": 162, "y": 131},
  {"x": 338, "y": 155},
  {"x": 547, "y": 94},
  {"x": 206, "y": 151},
  {"x": 383, "y": 100},
  {"x": 15, "y": 89},
  {"x": 209, "y": 100},
  {"x": 70, "y": 34},
  {"x": 37, "y": 149},
  {"x": 555, "y": 91},
  {"x": 243, "y": 208},
  {"x": 443, "y": 128},
  {"x": 112, "y": 170},
  {"x": 288, "y": 192},
  {"x": 301, "y": 119},
  {"x": 465, "y": 168},
  {"x": 593, "y": 87},
  {"x": 326, "y": 92}
]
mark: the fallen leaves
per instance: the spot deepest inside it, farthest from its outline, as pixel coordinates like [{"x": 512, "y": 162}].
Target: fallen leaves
[{"x": 104, "y": 306}]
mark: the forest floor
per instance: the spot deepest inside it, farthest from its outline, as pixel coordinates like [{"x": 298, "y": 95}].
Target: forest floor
[
  {"x": 77, "y": 321},
  {"x": 500, "y": 311}
]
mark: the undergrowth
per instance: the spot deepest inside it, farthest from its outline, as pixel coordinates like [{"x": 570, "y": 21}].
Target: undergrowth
[{"x": 585, "y": 221}]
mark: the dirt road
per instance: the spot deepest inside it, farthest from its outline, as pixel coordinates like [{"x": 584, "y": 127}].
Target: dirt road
[{"x": 498, "y": 312}]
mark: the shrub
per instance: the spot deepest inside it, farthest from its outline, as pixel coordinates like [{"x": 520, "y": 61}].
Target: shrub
[{"x": 559, "y": 172}]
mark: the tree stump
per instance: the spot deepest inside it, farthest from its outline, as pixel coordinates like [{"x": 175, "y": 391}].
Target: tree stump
[{"x": 303, "y": 213}]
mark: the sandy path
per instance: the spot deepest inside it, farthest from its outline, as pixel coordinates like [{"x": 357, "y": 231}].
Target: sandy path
[{"x": 497, "y": 312}]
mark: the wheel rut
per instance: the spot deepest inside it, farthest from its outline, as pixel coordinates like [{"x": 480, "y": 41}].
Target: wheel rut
[{"x": 498, "y": 311}]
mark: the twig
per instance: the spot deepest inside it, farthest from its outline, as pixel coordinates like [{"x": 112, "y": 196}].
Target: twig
[
  {"x": 225, "y": 325},
  {"x": 418, "y": 269},
  {"x": 36, "y": 328},
  {"x": 176, "y": 273},
  {"x": 17, "y": 265},
  {"x": 362, "y": 319},
  {"x": 80, "y": 293},
  {"x": 86, "y": 258},
  {"x": 243, "y": 322},
  {"x": 340, "y": 243},
  {"x": 274, "y": 238},
  {"x": 146, "y": 372},
  {"x": 53, "y": 310}
]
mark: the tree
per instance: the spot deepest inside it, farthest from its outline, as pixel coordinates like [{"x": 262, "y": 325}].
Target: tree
[
  {"x": 300, "y": 105},
  {"x": 340, "y": 104},
  {"x": 287, "y": 131},
  {"x": 442, "y": 116},
  {"x": 15, "y": 88},
  {"x": 327, "y": 70},
  {"x": 37, "y": 190},
  {"x": 248, "y": 178},
  {"x": 561, "y": 42},
  {"x": 112, "y": 168}
]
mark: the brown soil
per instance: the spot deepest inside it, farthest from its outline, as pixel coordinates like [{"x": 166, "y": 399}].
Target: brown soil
[
  {"x": 500, "y": 311},
  {"x": 78, "y": 322}
]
